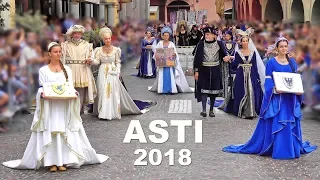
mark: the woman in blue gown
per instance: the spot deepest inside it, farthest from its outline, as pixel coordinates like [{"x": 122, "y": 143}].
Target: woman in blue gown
[
  {"x": 147, "y": 67},
  {"x": 278, "y": 132},
  {"x": 247, "y": 83},
  {"x": 228, "y": 46}
]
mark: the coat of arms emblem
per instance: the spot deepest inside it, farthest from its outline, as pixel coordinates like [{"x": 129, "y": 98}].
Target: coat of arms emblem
[
  {"x": 288, "y": 82},
  {"x": 228, "y": 46},
  {"x": 59, "y": 88}
]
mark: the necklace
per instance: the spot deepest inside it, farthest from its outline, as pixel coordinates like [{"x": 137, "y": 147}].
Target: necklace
[
  {"x": 107, "y": 49},
  {"x": 282, "y": 60}
]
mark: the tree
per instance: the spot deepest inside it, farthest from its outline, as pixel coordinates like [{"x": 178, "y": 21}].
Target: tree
[
  {"x": 3, "y": 7},
  {"x": 31, "y": 22}
]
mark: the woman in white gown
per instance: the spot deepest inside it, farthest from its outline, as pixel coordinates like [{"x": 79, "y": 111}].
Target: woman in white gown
[
  {"x": 112, "y": 100},
  {"x": 170, "y": 80},
  {"x": 58, "y": 139}
]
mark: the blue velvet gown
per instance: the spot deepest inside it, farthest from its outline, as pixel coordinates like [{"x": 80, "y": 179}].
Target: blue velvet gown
[
  {"x": 228, "y": 104},
  {"x": 147, "y": 63},
  {"x": 248, "y": 96},
  {"x": 278, "y": 132}
]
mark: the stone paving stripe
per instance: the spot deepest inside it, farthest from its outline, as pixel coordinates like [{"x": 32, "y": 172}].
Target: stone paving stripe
[{"x": 180, "y": 106}]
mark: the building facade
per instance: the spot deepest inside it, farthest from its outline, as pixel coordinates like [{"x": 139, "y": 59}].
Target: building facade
[
  {"x": 111, "y": 11},
  {"x": 159, "y": 9},
  {"x": 277, "y": 10}
]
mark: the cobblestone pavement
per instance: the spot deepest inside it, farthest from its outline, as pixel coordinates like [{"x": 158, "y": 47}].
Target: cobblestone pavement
[{"x": 208, "y": 161}]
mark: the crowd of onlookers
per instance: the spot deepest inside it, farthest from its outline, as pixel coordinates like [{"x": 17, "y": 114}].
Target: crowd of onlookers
[{"x": 22, "y": 52}]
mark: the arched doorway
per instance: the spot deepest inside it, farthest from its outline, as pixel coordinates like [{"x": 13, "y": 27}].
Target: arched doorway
[
  {"x": 315, "y": 19},
  {"x": 297, "y": 12},
  {"x": 273, "y": 11},
  {"x": 176, "y": 6},
  {"x": 256, "y": 10}
]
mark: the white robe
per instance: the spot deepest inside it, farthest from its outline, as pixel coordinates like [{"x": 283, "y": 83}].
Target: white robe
[
  {"x": 178, "y": 80},
  {"x": 113, "y": 100},
  {"x": 58, "y": 136}
]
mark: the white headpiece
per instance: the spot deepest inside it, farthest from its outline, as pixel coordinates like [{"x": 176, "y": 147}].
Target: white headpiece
[
  {"x": 52, "y": 44},
  {"x": 271, "y": 49},
  {"x": 103, "y": 31},
  {"x": 75, "y": 28},
  {"x": 246, "y": 33}
]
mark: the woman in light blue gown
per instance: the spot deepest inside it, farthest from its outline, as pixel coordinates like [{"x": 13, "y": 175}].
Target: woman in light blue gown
[
  {"x": 278, "y": 132},
  {"x": 170, "y": 80}
]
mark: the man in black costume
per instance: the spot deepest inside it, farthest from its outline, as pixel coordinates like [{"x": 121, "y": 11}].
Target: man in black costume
[{"x": 211, "y": 72}]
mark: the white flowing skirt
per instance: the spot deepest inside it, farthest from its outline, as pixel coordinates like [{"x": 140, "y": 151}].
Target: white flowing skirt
[
  {"x": 57, "y": 145},
  {"x": 72, "y": 151},
  {"x": 113, "y": 100}
]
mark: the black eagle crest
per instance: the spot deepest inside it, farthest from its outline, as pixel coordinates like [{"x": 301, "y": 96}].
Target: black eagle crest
[{"x": 288, "y": 82}]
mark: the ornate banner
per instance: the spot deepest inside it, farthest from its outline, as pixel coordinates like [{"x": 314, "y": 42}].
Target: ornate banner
[{"x": 165, "y": 57}]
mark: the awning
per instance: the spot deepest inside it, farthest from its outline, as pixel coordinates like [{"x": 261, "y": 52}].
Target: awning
[{"x": 154, "y": 8}]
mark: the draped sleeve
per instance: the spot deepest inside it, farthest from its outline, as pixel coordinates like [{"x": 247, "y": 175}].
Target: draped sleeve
[
  {"x": 236, "y": 61},
  {"x": 159, "y": 45},
  {"x": 118, "y": 60},
  {"x": 154, "y": 45},
  {"x": 143, "y": 46},
  {"x": 271, "y": 100},
  {"x": 42, "y": 77}
]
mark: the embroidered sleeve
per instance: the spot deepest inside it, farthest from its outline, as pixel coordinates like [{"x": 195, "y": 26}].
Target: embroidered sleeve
[{"x": 118, "y": 59}]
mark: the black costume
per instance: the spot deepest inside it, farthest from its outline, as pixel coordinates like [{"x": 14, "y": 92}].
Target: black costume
[{"x": 213, "y": 72}]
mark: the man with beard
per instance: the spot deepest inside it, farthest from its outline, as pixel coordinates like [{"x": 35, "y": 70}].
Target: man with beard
[
  {"x": 211, "y": 72},
  {"x": 77, "y": 55}
]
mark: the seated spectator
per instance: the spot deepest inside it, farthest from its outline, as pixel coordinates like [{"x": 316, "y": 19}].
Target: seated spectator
[{"x": 4, "y": 113}]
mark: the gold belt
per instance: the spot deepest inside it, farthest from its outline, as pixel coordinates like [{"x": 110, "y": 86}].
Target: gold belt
[
  {"x": 216, "y": 63},
  {"x": 75, "y": 62},
  {"x": 245, "y": 65}
]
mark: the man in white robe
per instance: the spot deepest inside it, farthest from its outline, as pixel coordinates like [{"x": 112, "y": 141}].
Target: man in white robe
[{"x": 77, "y": 55}]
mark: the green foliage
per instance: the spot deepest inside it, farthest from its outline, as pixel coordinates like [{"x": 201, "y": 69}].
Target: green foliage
[
  {"x": 31, "y": 23},
  {"x": 92, "y": 37},
  {"x": 3, "y": 7}
]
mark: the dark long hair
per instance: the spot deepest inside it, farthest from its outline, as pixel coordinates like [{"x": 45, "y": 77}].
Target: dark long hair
[{"x": 61, "y": 65}]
